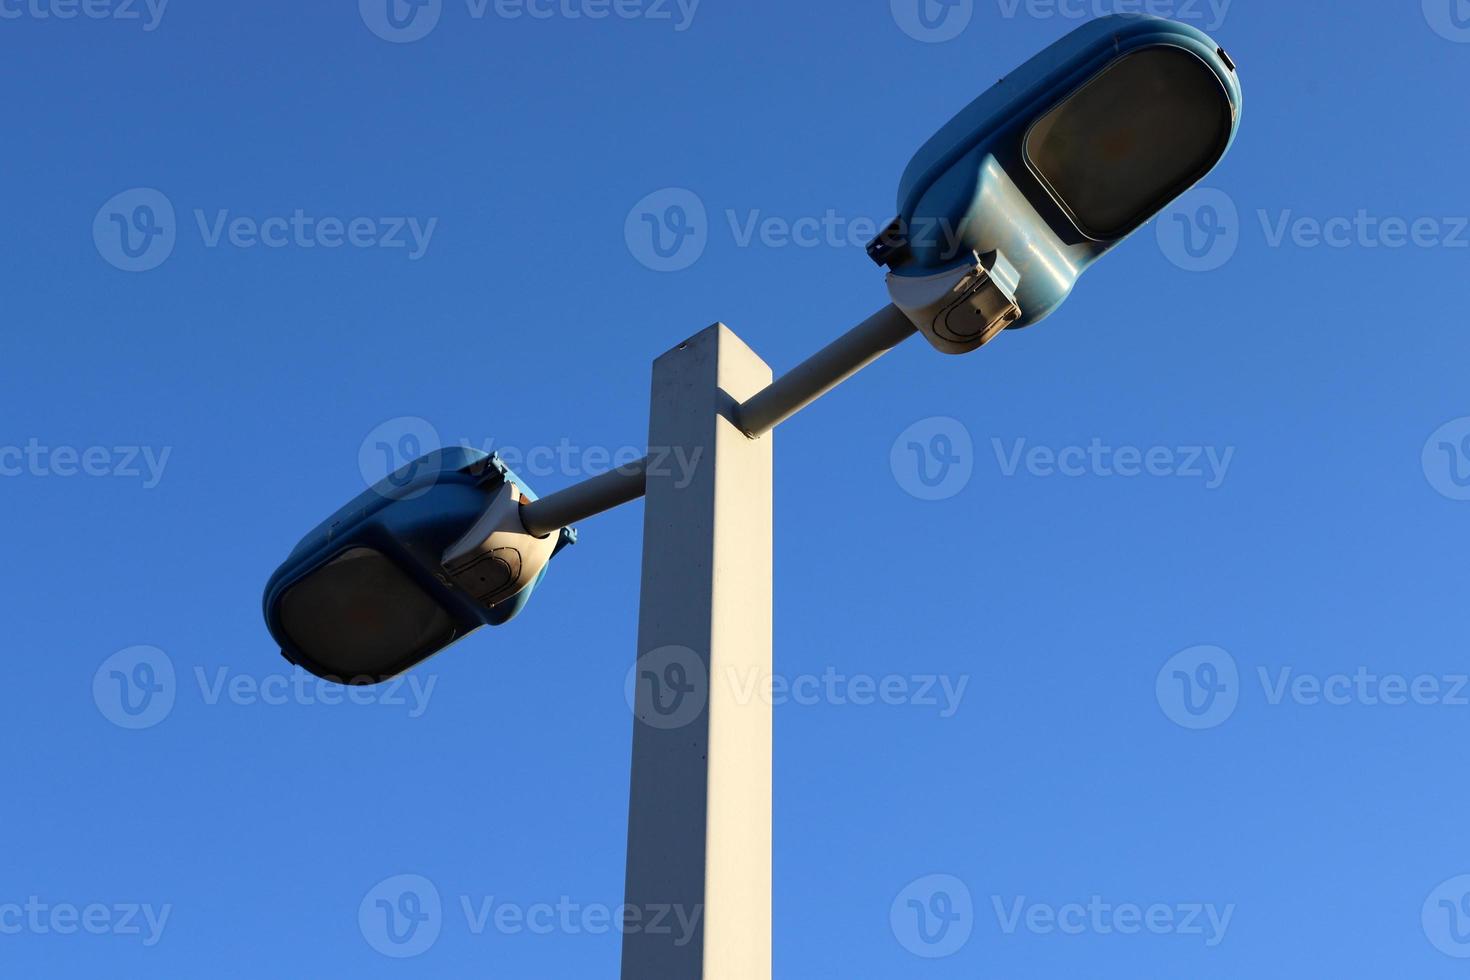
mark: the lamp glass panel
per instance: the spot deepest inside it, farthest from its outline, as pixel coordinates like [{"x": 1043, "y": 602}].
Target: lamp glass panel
[
  {"x": 360, "y": 616},
  {"x": 1132, "y": 139}
]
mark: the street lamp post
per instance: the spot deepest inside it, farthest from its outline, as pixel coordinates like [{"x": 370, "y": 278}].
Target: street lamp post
[
  {"x": 699, "y": 820},
  {"x": 999, "y": 215}
]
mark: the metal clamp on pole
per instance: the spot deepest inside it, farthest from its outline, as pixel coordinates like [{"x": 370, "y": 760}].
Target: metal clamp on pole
[{"x": 964, "y": 308}]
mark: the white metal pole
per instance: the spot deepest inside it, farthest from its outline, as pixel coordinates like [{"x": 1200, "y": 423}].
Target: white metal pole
[{"x": 698, "y": 890}]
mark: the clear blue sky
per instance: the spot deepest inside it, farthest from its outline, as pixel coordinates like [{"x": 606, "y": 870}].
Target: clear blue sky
[{"x": 1283, "y": 374}]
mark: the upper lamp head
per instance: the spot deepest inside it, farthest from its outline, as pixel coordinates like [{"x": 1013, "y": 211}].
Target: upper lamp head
[
  {"x": 1038, "y": 178},
  {"x": 426, "y": 556}
]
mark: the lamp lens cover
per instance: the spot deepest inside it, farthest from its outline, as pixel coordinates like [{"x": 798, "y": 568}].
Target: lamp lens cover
[
  {"x": 361, "y": 618},
  {"x": 1132, "y": 139}
]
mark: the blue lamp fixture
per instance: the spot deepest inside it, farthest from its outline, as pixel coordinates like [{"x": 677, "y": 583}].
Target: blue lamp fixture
[
  {"x": 426, "y": 556},
  {"x": 1003, "y": 209}
]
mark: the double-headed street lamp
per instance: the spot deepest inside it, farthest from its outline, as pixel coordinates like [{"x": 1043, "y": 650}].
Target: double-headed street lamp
[{"x": 999, "y": 213}]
